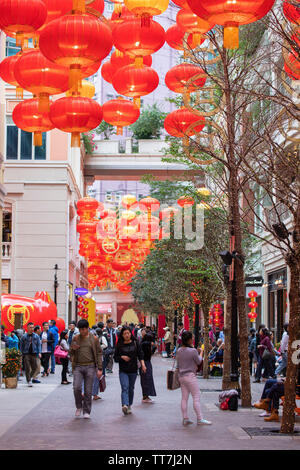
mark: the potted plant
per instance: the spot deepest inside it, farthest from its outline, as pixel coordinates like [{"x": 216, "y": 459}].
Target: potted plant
[
  {"x": 11, "y": 367},
  {"x": 147, "y": 130}
]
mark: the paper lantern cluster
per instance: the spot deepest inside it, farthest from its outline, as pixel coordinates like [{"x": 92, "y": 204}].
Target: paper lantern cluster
[
  {"x": 82, "y": 307},
  {"x": 291, "y": 59},
  {"x": 252, "y": 305},
  {"x": 216, "y": 316}
]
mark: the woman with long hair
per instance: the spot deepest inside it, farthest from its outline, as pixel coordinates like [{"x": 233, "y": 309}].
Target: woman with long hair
[
  {"x": 147, "y": 382},
  {"x": 188, "y": 360},
  {"x": 266, "y": 352},
  {"x": 127, "y": 353},
  {"x": 63, "y": 343}
]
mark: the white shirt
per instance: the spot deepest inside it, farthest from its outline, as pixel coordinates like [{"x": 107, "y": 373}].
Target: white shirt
[
  {"x": 284, "y": 342},
  {"x": 44, "y": 345}
]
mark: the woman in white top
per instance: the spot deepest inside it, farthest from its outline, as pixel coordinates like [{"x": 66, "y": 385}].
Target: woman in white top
[{"x": 63, "y": 343}]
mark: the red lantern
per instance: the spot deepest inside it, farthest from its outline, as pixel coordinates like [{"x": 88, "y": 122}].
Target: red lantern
[
  {"x": 41, "y": 77},
  {"x": 118, "y": 61},
  {"x": 175, "y": 38},
  {"x": 147, "y": 8},
  {"x": 253, "y": 305},
  {"x": 291, "y": 11},
  {"x": 7, "y": 73},
  {"x": 292, "y": 66},
  {"x": 149, "y": 204},
  {"x": 107, "y": 71},
  {"x": 135, "y": 82},
  {"x": 177, "y": 77},
  {"x": 231, "y": 14},
  {"x": 76, "y": 114},
  {"x": 120, "y": 113},
  {"x": 76, "y": 41},
  {"x": 26, "y": 116},
  {"x": 132, "y": 39},
  {"x": 290, "y": 73},
  {"x": 191, "y": 23},
  {"x": 252, "y": 294},
  {"x": 178, "y": 122},
  {"x": 22, "y": 16},
  {"x": 185, "y": 201},
  {"x": 87, "y": 208}
]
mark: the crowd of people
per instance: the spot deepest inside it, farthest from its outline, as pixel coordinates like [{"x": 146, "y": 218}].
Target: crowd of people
[{"x": 88, "y": 354}]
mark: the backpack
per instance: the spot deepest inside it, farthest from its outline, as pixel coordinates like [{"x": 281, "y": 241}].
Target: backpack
[{"x": 233, "y": 403}]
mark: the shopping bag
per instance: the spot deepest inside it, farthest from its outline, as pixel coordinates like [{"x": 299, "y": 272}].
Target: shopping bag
[
  {"x": 102, "y": 384},
  {"x": 172, "y": 379}
]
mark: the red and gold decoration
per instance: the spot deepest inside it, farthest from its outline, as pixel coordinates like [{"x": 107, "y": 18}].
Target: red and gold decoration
[{"x": 252, "y": 305}]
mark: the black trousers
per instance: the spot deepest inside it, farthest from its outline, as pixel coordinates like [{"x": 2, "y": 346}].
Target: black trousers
[
  {"x": 168, "y": 349},
  {"x": 45, "y": 361},
  {"x": 64, "y": 362}
]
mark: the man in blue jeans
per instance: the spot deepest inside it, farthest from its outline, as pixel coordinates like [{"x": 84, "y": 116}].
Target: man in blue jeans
[{"x": 54, "y": 330}]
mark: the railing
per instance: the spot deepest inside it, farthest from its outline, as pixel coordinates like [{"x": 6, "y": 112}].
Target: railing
[{"x": 6, "y": 250}]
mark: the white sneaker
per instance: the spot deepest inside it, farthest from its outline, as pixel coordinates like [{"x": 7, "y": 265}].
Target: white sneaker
[
  {"x": 78, "y": 413},
  {"x": 129, "y": 411},
  {"x": 264, "y": 414},
  {"x": 29, "y": 384},
  {"x": 125, "y": 409},
  {"x": 203, "y": 421},
  {"x": 86, "y": 415}
]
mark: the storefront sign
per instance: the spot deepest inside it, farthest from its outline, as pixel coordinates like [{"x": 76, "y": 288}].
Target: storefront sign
[
  {"x": 81, "y": 291},
  {"x": 254, "y": 281}
]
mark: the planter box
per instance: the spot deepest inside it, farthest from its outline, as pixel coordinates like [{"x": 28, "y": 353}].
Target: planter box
[
  {"x": 152, "y": 146},
  {"x": 11, "y": 382},
  {"x": 107, "y": 147}
]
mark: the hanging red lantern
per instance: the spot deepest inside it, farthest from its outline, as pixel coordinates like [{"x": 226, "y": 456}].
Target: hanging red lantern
[
  {"x": 22, "y": 16},
  {"x": 177, "y": 77},
  {"x": 231, "y": 14},
  {"x": 185, "y": 201},
  {"x": 292, "y": 11},
  {"x": 120, "y": 113},
  {"x": 41, "y": 77},
  {"x": 252, "y": 294},
  {"x": 177, "y": 123},
  {"x": 134, "y": 83},
  {"x": 191, "y": 23},
  {"x": 290, "y": 73},
  {"x": 118, "y": 61},
  {"x": 7, "y": 73},
  {"x": 87, "y": 206},
  {"x": 107, "y": 71},
  {"x": 75, "y": 114},
  {"x": 149, "y": 204},
  {"x": 76, "y": 41},
  {"x": 27, "y": 117},
  {"x": 132, "y": 39},
  {"x": 292, "y": 66},
  {"x": 175, "y": 38}
]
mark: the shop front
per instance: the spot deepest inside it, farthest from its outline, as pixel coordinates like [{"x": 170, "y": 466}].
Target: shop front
[{"x": 277, "y": 302}]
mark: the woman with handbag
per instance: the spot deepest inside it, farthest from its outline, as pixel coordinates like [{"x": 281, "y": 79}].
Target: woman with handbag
[
  {"x": 64, "y": 346},
  {"x": 266, "y": 352},
  {"x": 188, "y": 361}
]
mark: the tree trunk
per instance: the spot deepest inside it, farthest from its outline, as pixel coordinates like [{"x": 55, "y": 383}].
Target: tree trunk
[
  {"x": 288, "y": 418},
  {"x": 226, "y": 382},
  {"x": 206, "y": 343}
]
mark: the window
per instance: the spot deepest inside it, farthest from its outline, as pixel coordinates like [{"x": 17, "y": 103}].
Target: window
[
  {"x": 11, "y": 48},
  {"x": 109, "y": 6},
  {"x": 108, "y": 196},
  {"x": 19, "y": 144}
]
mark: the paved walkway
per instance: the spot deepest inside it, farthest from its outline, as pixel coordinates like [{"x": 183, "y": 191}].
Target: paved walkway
[{"x": 42, "y": 417}]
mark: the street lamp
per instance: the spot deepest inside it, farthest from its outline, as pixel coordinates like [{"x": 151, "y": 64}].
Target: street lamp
[
  {"x": 55, "y": 283},
  {"x": 228, "y": 258}
]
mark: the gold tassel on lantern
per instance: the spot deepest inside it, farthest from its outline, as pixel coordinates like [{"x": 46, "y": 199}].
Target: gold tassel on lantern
[
  {"x": 137, "y": 101},
  {"x": 44, "y": 104},
  {"x": 75, "y": 139},
  {"x": 118, "y": 8},
  {"x": 119, "y": 130},
  {"x": 138, "y": 62},
  {"x": 19, "y": 93},
  {"x": 79, "y": 5},
  {"x": 119, "y": 53},
  {"x": 231, "y": 36},
  {"x": 19, "y": 39},
  {"x": 196, "y": 39},
  {"x": 75, "y": 77},
  {"x": 37, "y": 139}
]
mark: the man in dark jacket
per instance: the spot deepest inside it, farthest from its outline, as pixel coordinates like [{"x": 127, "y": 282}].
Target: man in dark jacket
[
  {"x": 86, "y": 356},
  {"x": 54, "y": 330},
  {"x": 30, "y": 346}
]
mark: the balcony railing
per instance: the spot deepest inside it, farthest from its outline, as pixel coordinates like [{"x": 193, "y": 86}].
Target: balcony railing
[{"x": 6, "y": 250}]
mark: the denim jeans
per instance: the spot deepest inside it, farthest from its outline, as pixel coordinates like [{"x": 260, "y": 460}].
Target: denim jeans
[
  {"x": 95, "y": 390},
  {"x": 282, "y": 364},
  {"x": 52, "y": 362},
  {"x": 127, "y": 382}
]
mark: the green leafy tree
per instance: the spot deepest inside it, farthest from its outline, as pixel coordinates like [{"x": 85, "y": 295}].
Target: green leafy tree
[{"x": 150, "y": 123}]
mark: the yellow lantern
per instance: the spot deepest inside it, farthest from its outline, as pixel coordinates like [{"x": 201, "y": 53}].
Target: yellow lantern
[
  {"x": 87, "y": 90},
  {"x": 204, "y": 191}
]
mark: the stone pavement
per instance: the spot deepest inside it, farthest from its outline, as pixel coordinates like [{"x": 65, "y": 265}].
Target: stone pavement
[{"x": 42, "y": 417}]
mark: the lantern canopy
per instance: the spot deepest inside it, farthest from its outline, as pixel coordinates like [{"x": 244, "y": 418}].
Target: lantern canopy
[{"x": 231, "y": 14}]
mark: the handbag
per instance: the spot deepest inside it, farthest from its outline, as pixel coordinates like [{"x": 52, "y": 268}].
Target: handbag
[
  {"x": 173, "y": 379},
  {"x": 60, "y": 353},
  {"x": 267, "y": 354},
  {"x": 102, "y": 384}
]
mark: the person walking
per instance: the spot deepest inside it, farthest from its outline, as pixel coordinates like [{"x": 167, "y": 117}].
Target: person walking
[
  {"x": 47, "y": 340},
  {"x": 257, "y": 353},
  {"x": 127, "y": 353},
  {"x": 266, "y": 352},
  {"x": 188, "y": 359},
  {"x": 96, "y": 383},
  {"x": 13, "y": 341},
  {"x": 63, "y": 343},
  {"x": 54, "y": 330},
  {"x": 167, "y": 340},
  {"x": 147, "y": 382},
  {"x": 37, "y": 330},
  {"x": 110, "y": 336},
  {"x": 283, "y": 350},
  {"x": 251, "y": 348},
  {"x": 30, "y": 346},
  {"x": 86, "y": 356}
]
